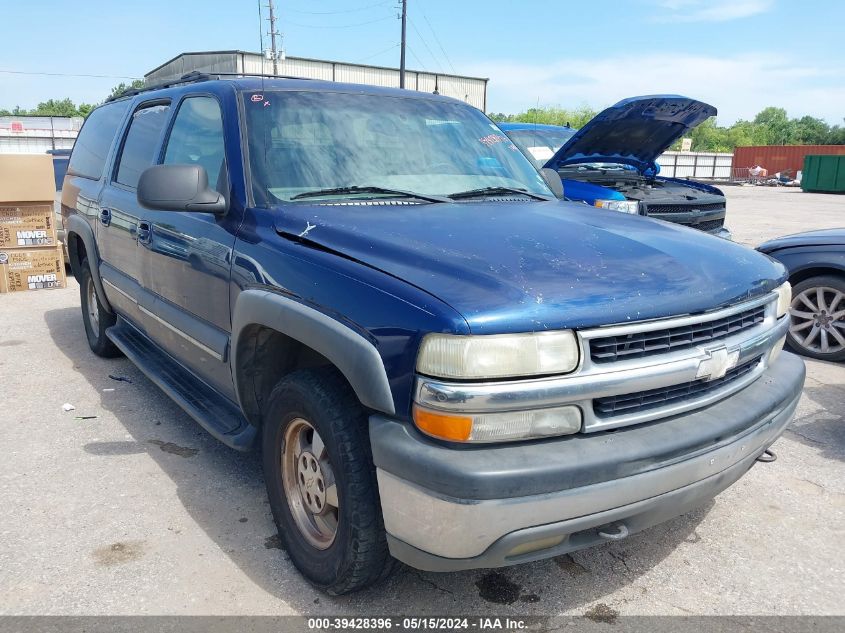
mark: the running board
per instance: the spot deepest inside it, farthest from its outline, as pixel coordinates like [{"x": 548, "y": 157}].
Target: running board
[{"x": 215, "y": 413}]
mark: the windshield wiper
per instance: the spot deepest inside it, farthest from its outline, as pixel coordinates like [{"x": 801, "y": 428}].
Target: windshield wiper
[
  {"x": 494, "y": 191},
  {"x": 367, "y": 189}
]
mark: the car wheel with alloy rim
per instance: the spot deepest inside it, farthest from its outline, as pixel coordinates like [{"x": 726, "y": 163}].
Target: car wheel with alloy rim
[{"x": 817, "y": 318}]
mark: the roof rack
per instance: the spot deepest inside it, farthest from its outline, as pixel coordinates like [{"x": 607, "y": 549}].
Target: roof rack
[{"x": 195, "y": 76}]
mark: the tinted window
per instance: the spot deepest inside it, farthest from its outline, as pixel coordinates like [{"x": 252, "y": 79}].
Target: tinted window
[
  {"x": 139, "y": 149},
  {"x": 95, "y": 138},
  {"x": 197, "y": 139}
]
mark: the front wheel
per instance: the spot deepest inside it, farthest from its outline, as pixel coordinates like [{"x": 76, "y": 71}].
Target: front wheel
[
  {"x": 817, "y": 318},
  {"x": 95, "y": 318},
  {"x": 321, "y": 482}
]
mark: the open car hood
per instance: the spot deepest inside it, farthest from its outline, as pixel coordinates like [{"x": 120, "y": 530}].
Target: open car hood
[{"x": 633, "y": 132}]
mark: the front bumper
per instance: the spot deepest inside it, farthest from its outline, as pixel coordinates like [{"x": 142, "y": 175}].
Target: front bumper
[{"x": 476, "y": 507}]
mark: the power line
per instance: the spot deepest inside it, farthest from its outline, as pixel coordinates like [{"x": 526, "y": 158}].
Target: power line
[
  {"x": 419, "y": 61},
  {"x": 437, "y": 39},
  {"x": 363, "y": 59},
  {"x": 422, "y": 39},
  {"x": 353, "y": 10},
  {"x": 24, "y": 72},
  {"x": 338, "y": 26}
]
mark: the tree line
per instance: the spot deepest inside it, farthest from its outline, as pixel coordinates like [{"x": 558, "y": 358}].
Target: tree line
[
  {"x": 771, "y": 126},
  {"x": 66, "y": 107}
]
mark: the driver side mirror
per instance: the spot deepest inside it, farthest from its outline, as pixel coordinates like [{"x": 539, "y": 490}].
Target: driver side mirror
[
  {"x": 179, "y": 188},
  {"x": 553, "y": 180}
]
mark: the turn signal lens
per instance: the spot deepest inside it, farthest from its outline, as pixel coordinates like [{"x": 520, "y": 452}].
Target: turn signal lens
[
  {"x": 503, "y": 426},
  {"x": 784, "y": 299},
  {"x": 455, "y": 428}
]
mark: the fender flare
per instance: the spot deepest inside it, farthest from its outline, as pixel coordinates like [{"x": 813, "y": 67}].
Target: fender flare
[
  {"x": 355, "y": 357},
  {"x": 78, "y": 226}
]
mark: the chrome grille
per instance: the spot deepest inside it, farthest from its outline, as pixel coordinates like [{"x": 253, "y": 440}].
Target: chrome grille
[
  {"x": 655, "y": 398},
  {"x": 640, "y": 344}
]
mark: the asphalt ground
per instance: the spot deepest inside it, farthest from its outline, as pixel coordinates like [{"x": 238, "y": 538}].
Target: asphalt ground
[{"x": 125, "y": 506}]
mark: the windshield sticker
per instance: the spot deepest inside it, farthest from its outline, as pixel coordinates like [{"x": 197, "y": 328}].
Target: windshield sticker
[
  {"x": 257, "y": 98},
  {"x": 491, "y": 139}
]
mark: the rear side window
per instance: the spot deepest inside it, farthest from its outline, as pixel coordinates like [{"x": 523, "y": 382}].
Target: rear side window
[
  {"x": 197, "y": 139},
  {"x": 92, "y": 146},
  {"x": 139, "y": 148}
]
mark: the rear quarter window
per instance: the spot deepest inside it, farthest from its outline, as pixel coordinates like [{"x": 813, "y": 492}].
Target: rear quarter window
[{"x": 95, "y": 139}]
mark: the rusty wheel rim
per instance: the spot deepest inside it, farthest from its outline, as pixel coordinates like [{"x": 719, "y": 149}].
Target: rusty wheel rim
[{"x": 309, "y": 484}]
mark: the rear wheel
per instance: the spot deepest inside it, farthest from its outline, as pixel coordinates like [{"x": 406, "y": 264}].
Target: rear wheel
[
  {"x": 817, "y": 318},
  {"x": 321, "y": 482},
  {"x": 96, "y": 319}
]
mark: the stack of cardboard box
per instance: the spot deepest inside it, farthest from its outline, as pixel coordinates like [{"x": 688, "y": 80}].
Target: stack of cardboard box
[{"x": 30, "y": 255}]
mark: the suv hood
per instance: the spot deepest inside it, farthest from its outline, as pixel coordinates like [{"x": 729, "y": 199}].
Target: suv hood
[
  {"x": 527, "y": 266},
  {"x": 633, "y": 132}
]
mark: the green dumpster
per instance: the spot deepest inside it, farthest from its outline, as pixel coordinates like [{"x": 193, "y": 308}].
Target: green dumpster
[{"x": 824, "y": 173}]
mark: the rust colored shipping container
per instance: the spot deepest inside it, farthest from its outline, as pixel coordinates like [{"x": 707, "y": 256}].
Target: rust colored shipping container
[{"x": 775, "y": 158}]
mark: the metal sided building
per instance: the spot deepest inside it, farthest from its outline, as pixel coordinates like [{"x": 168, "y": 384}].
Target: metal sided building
[
  {"x": 473, "y": 90},
  {"x": 37, "y": 134}
]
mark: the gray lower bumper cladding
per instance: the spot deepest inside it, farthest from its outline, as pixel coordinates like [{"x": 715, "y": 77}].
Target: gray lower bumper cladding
[{"x": 434, "y": 524}]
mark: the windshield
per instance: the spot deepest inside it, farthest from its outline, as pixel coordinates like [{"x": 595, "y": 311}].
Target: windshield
[
  {"x": 303, "y": 142},
  {"x": 540, "y": 145}
]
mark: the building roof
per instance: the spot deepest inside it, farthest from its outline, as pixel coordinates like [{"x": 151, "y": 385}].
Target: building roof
[{"x": 311, "y": 59}]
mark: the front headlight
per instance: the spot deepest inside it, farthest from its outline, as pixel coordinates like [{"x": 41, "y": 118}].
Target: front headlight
[
  {"x": 625, "y": 206},
  {"x": 784, "y": 299},
  {"x": 498, "y": 355}
]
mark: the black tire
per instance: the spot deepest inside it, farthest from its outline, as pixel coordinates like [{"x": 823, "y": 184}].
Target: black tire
[
  {"x": 358, "y": 556},
  {"x": 95, "y": 329},
  {"x": 797, "y": 337}
]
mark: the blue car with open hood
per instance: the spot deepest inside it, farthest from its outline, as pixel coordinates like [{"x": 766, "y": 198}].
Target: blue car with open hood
[{"x": 611, "y": 162}]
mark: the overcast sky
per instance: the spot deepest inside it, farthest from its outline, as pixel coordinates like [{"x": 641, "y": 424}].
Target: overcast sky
[{"x": 739, "y": 55}]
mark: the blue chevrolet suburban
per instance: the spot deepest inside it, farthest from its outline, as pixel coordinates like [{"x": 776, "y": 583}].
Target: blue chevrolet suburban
[
  {"x": 611, "y": 162},
  {"x": 439, "y": 361}
]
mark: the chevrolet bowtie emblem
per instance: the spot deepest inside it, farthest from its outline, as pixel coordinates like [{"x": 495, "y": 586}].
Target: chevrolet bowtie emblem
[{"x": 717, "y": 363}]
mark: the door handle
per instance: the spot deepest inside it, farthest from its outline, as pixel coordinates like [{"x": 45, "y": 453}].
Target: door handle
[
  {"x": 105, "y": 217},
  {"x": 145, "y": 233}
]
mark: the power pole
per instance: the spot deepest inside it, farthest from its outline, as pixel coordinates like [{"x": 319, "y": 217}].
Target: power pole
[
  {"x": 273, "y": 33},
  {"x": 402, "y": 48}
]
